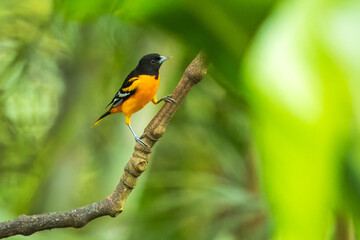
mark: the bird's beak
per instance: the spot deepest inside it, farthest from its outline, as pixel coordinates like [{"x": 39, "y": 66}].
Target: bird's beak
[{"x": 163, "y": 59}]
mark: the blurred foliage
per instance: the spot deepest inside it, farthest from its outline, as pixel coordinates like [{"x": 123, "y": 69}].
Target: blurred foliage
[{"x": 266, "y": 147}]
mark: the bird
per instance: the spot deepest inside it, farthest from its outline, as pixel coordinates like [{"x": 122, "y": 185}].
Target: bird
[{"x": 137, "y": 90}]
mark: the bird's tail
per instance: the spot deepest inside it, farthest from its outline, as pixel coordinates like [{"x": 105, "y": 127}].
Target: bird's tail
[{"x": 101, "y": 118}]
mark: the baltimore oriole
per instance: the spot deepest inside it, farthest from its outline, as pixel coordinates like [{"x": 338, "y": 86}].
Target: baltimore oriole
[{"x": 138, "y": 89}]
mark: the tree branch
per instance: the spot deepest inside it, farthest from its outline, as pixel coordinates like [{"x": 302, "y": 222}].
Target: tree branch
[{"x": 113, "y": 205}]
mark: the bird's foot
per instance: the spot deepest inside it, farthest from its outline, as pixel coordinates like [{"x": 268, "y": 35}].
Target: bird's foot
[
  {"x": 169, "y": 99},
  {"x": 141, "y": 142}
]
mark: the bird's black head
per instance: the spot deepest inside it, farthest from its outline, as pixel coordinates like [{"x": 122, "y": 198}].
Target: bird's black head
[{"x": 150, "y": 64}]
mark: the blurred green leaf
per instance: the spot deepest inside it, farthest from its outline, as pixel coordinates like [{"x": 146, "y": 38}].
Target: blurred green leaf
[
  {"x": 301, "y": 107},
  {"x": 83, "y": 10}
]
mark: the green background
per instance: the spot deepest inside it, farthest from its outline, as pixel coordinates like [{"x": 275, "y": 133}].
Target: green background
[{"x": 265, "y": 147}]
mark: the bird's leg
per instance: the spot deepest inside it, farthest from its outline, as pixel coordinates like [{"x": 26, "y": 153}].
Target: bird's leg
[
  {"x": 127, "y": 121},
  {"x": 167, "y": 98},
  {"x": 137, "y": 138}
]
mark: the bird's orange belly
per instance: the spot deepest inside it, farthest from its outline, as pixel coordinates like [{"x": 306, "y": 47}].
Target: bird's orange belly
[{"x": 145, "y": 92}]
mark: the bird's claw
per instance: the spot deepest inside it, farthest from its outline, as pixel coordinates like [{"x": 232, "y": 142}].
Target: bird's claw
[
  {"x": 141, "y": 142},
  {"x": 169, "y": 99}
]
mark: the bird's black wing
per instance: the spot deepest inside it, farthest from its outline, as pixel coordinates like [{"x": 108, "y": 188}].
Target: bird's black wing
[{"x": 127, "y": 89}]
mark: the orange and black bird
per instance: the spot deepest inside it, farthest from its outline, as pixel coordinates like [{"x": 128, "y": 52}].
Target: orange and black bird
[{"x": 138, "y": 89}]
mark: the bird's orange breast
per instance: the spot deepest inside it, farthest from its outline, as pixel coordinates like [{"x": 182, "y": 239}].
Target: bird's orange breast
[{"x": 146, "y": 88}]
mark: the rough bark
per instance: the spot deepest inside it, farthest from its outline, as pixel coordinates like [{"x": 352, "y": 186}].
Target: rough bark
[{"x": 114, "y": 205}]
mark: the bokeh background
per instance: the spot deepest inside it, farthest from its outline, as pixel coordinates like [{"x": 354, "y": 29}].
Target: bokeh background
[{"x": 266, "y": 147}]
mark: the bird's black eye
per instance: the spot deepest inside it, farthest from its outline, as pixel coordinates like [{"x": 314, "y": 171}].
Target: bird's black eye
[{"x": 153, "y": 61}]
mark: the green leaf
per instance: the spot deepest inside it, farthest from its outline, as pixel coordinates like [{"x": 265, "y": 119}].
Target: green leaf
[{"x": 301, "y": 107}]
